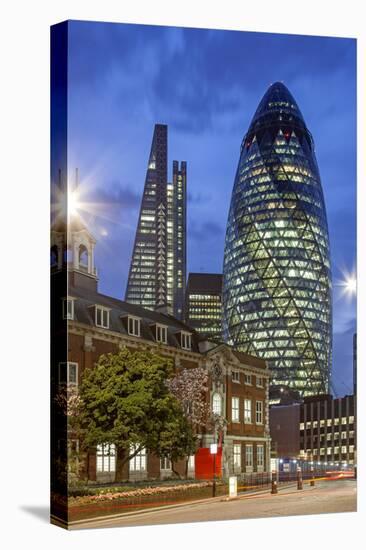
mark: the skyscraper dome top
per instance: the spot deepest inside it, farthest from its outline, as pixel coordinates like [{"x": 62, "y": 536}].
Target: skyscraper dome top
[{"x": 278, "y": 110}]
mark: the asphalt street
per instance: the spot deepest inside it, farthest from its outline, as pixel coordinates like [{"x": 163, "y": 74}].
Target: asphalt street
[{"x": 325, "y": 497}]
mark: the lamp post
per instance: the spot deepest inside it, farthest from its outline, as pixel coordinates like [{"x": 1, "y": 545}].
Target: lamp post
[{"x": 213, "y": 451}]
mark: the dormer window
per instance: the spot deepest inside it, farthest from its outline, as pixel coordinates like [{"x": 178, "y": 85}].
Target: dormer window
[
  {"x": 134, "y": 326},
  {"x": 161, "y": 334},
  {"x": 186, "y": 340},
  {"x": 102, "y": 317},
  {"x": 68, "y": 308}
]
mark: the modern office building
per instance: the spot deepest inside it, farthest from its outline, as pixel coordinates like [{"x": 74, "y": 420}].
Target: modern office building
[
  {"x": 277, "y": 278},
  {"x": 319, "y": 428},
  {"x": 203, "y": 304},
  {"x": 158, "y": 266}
]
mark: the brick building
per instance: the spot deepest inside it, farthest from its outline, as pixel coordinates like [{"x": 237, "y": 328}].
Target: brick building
[{"x": 93, "y": 324}]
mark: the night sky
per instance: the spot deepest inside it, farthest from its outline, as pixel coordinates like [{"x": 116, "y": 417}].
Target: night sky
[{"x": 206, "y": 85}]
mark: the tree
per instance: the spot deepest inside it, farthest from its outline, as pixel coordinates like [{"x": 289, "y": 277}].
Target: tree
[{"x": 125, "y": 401}]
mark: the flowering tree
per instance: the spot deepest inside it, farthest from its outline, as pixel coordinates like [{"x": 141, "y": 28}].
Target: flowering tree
[{"x": 190, "y": 387}]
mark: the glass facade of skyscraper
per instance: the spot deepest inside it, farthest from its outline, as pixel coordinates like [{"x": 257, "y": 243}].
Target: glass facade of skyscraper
[{"x": 277, "y": 277}]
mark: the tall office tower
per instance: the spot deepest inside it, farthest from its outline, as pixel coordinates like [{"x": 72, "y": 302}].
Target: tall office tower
[
  {"x": 157, "y": 272},
  {"x": 176, "y": 239},
  {"x": 277, "y": 278},
  {"x": 203, "y": 304},
  {"x": 147, "y": 277}
]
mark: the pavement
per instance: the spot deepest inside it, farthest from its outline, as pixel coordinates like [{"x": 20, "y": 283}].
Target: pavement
[{"x": 325, "y": 497}]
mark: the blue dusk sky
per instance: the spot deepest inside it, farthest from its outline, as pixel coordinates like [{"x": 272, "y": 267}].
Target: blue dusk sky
[{"x": 205, "y": 85}]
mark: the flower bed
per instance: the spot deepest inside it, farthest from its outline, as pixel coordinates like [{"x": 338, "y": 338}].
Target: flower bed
[{"x": 113, "y": 501}]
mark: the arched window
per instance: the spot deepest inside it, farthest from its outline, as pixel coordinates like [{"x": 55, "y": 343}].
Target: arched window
[
  {"x": 217, "y": 403},
  {"x": 54, "y": 255},
  {"x": 83, "y": 256}
]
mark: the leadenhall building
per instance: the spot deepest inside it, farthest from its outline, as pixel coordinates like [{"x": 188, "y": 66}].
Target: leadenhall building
[{"x": 88, "y": 324}]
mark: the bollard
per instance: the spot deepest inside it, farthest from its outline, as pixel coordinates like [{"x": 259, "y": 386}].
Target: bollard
[
  {"x": 274, "y": 490},
  {"x": 312, "y": 481},
  {"x": 299, "y": 479}
]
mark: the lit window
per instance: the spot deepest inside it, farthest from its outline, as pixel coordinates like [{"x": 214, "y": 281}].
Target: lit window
[
  {"x": 329, "y": 451},
  {"x": 216, "y": 403},
  {"x": 260, "y": 455},
  {"x": 259, "y": 412},
  {"x": 248, "y": 379},
  {"x": 235, "y": 376},
  {"x": 106, "y": 458},
  {"x": 248, "y": 410},
  {"x": 68, "y": 373},
  {"x": 161, "y": 334},
  {"x": 249, "y": 455},
  {"x": 351, "y": 419},
  {"x": 138, "y": 462},
  {"x": 134, "y": 326},
  {"x": 301, "y": 425},
  {"x": 101, "y": 317},
  {"x": 165, "y": 463},
  {"x": 237, "y": 456},
  {"x": 344, "y": 420},
  {"x": 68, "y": 308},
  {"x": 344, "y": 449},
  {"x": 235, "y": 409}
]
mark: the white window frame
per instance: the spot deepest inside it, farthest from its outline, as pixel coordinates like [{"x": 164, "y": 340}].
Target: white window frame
[
  {"x": 235, "y": 376},
  {"x": 106, "y": 458},
  {"x": 186, "y": 340},
  {"x": 259, "y": 382},
  {"x": 138, "y": 462},
  {"x": 165, "y": 463},
  {"x": 134, "y": 326},
  {"x": 237, "y": 455},
  {"x": 248, "y": 379},
  {"x": 216, "y": 398},
  {"x": 249, "y": 463},
  {"x": 67, "y": 381},
  {"x": 248, "y": 418},
  {"x": 65, "y": 313},
  {"x": 161, "y": 334},
  {"x": 260, "y": 455},
  {"x": 235, "y": 409},
  {"x": 104, "y": 311},
  {"x": 259, "y": 412}
]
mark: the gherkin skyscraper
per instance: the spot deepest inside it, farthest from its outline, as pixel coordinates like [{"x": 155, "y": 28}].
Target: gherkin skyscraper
[{"x": 277, "y": 277}]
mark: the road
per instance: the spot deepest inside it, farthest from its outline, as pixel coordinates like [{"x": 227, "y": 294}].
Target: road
[{"x": 325, "y": 497}]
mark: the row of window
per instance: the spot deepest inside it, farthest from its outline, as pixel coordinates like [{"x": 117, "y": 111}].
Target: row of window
[
  {"x": 102, "y": 319},
  {"x": 344, "y": 449},
  {"x": 106, "y": 460},
  {"x": 248, "y": 379},
  {"x": 328, "y": 422},
  {"x": 237, "y": 455},
  {"x": 235, "y": 411}
]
